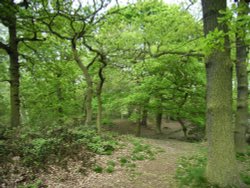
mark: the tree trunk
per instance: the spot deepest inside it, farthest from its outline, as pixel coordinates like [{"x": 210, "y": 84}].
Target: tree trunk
[
  {"x": 14, "y": 75},
  {"x": 99, "y": 92},
  {"x": 59, "y": 98},
  {"x": 221, "y": 165},
  {"x": 99, "y": 113},
  {"x": 88, "y": 105},
  {"x": 241, "y": 122},
  {"x": 144, "y": 117},
  {"x": 184, "y": 128},
  {"x": 158, "y": 122},
  {"x": 138, "y": 122},
  {"x": 89, "y": 92}
]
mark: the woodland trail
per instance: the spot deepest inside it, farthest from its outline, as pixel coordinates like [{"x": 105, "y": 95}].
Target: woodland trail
[{"x": 158, "y": 173}]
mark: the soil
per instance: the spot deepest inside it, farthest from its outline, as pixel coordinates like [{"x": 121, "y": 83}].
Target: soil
[{"x": 158, "y": 173}]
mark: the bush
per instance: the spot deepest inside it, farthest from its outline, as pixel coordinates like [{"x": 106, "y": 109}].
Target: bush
[{"x": 142, "y": 151}]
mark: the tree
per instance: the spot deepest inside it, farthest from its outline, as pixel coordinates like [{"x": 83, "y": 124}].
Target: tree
[
  {"x": 221, "y": 165},
  {"x": 11, "y": 16},
  {"x": 74, "y": 26},
  {"x": 241, "y": 121}
]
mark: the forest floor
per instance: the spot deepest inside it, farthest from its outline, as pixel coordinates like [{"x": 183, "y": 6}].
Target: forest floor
[{"x": 157, "y": 173}]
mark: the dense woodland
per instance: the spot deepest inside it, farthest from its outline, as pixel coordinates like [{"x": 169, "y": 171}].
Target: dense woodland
[{"x": 71, "y": 69}]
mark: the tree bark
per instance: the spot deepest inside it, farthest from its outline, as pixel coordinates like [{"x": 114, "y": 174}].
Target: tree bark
[
  {"x": 14, "y": 74},
  {"x": 221, "y": 165},
  {"x": 241, "y": 121}
]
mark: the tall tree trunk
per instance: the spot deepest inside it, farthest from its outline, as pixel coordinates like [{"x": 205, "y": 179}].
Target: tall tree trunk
[
  {"x": 241, "y": 122},
  {"x": 14, "y": 75},
  {"x": 89, "y": 92},
  {"x": 221, "y": 165}
]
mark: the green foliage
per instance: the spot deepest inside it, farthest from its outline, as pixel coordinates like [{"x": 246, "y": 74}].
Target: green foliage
[
  {"x": 142, "y": 151},
  {"x": 110, "y": 169},
  {"x": 100, "y": 144},
  {"x": 245, "y": 162},
  {"x": 55, "y": 145},
  {"x": 98, "y": 168},
  {"x": 124, "y": 160},
  {"x": 191, "y": 170}
]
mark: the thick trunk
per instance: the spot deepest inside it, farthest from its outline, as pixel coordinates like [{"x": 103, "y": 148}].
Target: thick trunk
[
  {"x": 158, "y": 122},
  {"x": 241, "y": 122},
  {"x": 89, "y": 92},
  {"x": 221, "y": 165},
  {"x": 14, "y": 76}
]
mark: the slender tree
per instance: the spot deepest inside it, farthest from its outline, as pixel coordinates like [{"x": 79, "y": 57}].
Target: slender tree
[{"x": 221, "y": 165}]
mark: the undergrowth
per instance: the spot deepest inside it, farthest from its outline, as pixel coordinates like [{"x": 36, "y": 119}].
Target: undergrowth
[
  {"x": 35, "y": 150},
  {"x": 190, "y": 172},
  {"x": 138, "y": 151}
]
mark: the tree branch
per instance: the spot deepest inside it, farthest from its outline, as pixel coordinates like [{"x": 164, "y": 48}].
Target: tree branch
[
  {"x": 92, "y": 62},
  {"x": 5, "y": 81},
  {"x": 191, "y": 53},
  {"x": 5, "y": 47}
]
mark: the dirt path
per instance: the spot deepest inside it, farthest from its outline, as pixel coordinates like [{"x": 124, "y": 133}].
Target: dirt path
[{"x": 158, "y": 173}]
